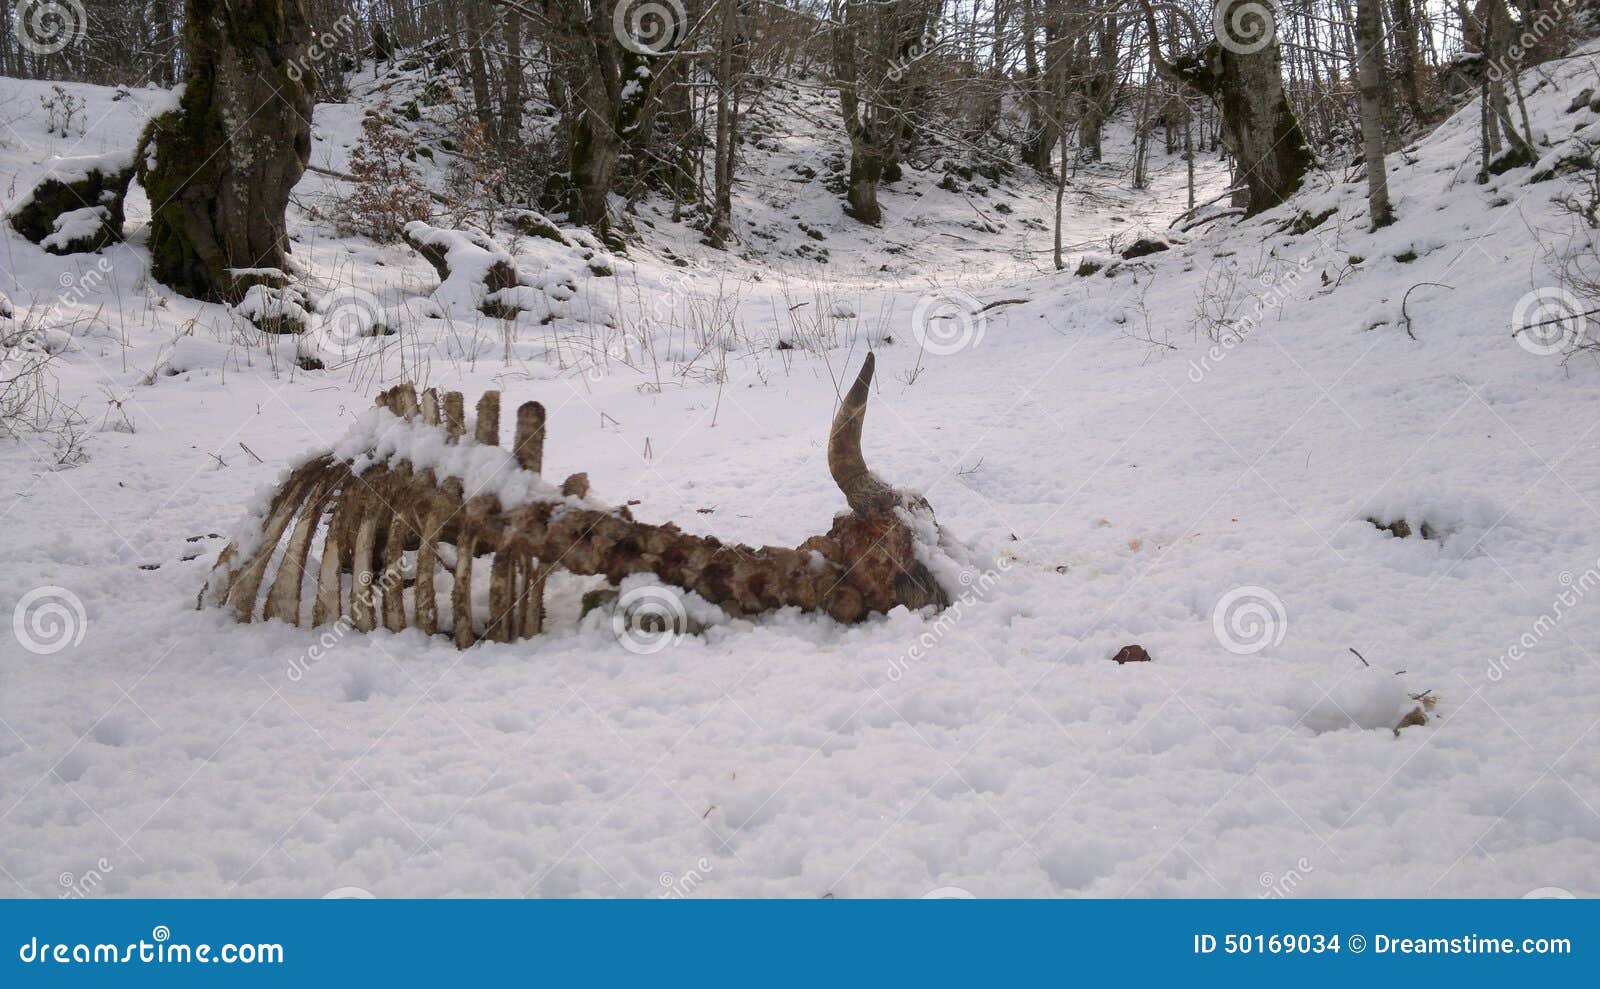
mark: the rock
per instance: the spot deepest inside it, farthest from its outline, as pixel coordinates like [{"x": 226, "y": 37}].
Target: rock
[
  {"x": 1574, "y": 156},
  {"x": 1580, "y": 101},
  {"x": 603, "y": 597},
  {"x": 279, "y": 311},
  {"x": 1144, "y": 246},
  {"x": 1131, "y": 654},
  {"x": 576, "y": 486},
  {"x": 1412, "y": 719},
  {"x": 77, "y": 207},
  {"x": 1306, "y": 221},
  {"x": 533, "y": 224},
  {"x": 471, "y": 266},
  {"x": 1514, "y": 156},
  {"x": 1401, "y": 529}
]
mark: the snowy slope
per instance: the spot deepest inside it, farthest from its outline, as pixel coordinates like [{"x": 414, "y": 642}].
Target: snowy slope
[{"x": 1124, "y": 477}]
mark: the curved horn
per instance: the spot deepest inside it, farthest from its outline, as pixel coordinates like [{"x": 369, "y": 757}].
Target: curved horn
[{"x": 866, "y": 494}]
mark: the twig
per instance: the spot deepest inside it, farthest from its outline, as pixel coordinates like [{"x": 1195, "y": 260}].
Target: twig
[
  {"x": 1218, "y": 215},
  {"x": 1001, "y": 302},
  {"x": 1407, "y": 316}
]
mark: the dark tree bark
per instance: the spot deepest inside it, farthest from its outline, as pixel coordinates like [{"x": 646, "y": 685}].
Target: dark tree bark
[
  {"x": 219, "y": 168},
  {"x": 591, "y": 65},
  {"x": 511, "y": 96},
  {"x": 1042, "y": 134},
  {"x": 1098, "y": 88},
  {"x": 472, "y": 16},
  {"x": 876, "y": 50},
  {"x": 1258, "y": 124},
  {"x": 730, "y": 68},
  {"x": 1407, "y": 57}
]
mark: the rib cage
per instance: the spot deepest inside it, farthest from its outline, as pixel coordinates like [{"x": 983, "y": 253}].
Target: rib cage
[{"x": 377, "y": 546}]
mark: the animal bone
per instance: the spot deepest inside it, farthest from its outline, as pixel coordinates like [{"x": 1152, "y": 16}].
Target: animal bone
[{"x": 391, "y": 525}]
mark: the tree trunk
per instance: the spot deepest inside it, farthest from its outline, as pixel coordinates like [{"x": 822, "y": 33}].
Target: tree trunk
[
  {"x": 511, "y": 97},
  {"x": 1045, "y": 84},
  {"x": 866, "y": 171},
  {"x": 1188, "y": 149},
  {"x": 477, "y": 66},
  {"x": 876, "y": 55},
  {"x": 727, "y": 110},
  {"x": 219, "y": 168},
  {"x": 594, "y": 142},
  {"x": 1407, "y": 56},
  {"x": 1260, "y": 128},
  {"x": 1370, "y": 83}
]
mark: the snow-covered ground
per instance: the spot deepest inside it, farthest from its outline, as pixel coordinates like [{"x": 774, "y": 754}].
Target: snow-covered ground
[{"x": 1131, "y": 482}]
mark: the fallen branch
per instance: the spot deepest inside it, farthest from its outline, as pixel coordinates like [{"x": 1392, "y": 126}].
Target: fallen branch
[{"x": 1407, "y": 316}]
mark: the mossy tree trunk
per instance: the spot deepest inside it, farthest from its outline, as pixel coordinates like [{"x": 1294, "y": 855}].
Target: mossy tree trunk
[
  {"x": 219, "y": 168},
  {"x": 612, "y": 81},
  {"x": 1245, "y": 79},
  {"x": 877, "y": 65}
]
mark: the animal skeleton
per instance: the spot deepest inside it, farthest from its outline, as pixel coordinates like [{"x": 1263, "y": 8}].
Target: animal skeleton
[{"x": 393, "y": 518}]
